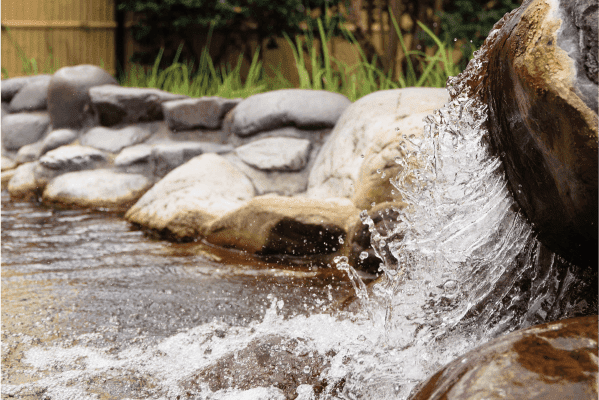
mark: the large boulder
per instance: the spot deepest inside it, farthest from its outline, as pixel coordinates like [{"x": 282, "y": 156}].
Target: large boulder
[
  {"x": 205, "y": 112},
  {"x": 278, "y": 225},
  {"x": 69, "y": 104},
  {"x": 308, "y": 109},
  {"x": 541, "y": 89},
  {"x": 101, "y": 188},
  {"x": 557, "y": 360},
  {"x": 365, "y": 142},
  {"x": 186, "y": 200},
  {"x": 32, "y": 96},
  {"x": 22, "y": 129},
  {"x": 125, "y": 105}
]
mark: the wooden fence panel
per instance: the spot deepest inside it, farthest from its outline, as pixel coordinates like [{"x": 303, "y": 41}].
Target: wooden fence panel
[{"x": 57, "y": 33}]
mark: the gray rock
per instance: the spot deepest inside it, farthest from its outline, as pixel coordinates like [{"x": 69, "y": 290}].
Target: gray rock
[
  {"x": 366, "y": 139},
  {"x": 72, "y": 158},
  {"x": 10, "y": 87},
  {"x": 134, "y": 154},
  {"x": 7, "y": 164},
  {"x": 29, "y": 153},
  {"x": 115, "y": 104},
  {"x": 316, "y": 136},
  {"x": 114, "y": 140},
  {"x": 5, "y": 109},
  {"x": 310, "y": 109},
  {"x": 185, "y": 201},
  {"x": 276, "y": 154},
  {"x": 23, "y": 183},
  {"x": 96, "y": 189},
  {"x": 168, "y": 156},
  {"x": 265, "y": 182},
  {"x": 69, "y": 103},
  {"x": 32, "y": 96},
  {"x": 57, "y": 138},
  {"x": 21, "y": 129},
  {"x": 205, "y": 112}
]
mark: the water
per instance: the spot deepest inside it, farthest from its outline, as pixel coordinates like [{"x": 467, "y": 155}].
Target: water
[{"x": 95, "y": 309}]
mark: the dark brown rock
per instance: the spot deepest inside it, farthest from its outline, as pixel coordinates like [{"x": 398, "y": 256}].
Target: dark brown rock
[
  {"x": 69, "y": 103},
  {"x": 543, "y": 120},
  {"x": 551, "y": 361}
]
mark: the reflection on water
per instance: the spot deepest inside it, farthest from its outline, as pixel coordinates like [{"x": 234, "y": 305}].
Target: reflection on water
[{"x": 78, "y": 278}]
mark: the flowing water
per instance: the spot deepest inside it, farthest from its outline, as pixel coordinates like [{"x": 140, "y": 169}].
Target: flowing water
[{"x": 92, "y": 308}]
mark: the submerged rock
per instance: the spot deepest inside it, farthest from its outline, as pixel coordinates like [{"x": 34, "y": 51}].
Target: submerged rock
[
  {"x": 277, "y": 225},
  {"x": 551, "y": 361},
  {"x": 192, "y": 195},
  {"x": 69, "y": 104},
  {"x": 541, "y": 89}
]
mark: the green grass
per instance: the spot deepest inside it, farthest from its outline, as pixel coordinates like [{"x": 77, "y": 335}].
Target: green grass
[{"x": 318, "y": 70}]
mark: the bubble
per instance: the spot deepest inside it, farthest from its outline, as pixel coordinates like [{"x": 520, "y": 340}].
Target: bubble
[
  {"x": 307, "y": 369},
  {"x": 341, "y": 241},
  {"x": 363, "y": 255},
  {"x": 362, "y": 155}
]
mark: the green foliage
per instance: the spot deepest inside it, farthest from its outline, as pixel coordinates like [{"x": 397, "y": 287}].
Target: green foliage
[
  {"x": 473, "y": 19},
  {"x": 163, "y": 20},
  {"x": 30, "y": 66}
]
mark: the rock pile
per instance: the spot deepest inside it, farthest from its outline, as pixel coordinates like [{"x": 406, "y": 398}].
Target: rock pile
[{"x": 282, "y": 173}]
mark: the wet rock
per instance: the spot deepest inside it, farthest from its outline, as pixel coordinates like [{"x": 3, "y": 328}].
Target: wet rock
[
  {"x": 10, "y": 87},
  {"x": 57, "y": 138},
  {"x": 276, "y": 154},
  {"x": 309, "y": 109},
  {"x": 7, "y": 164},
  {"x": 192, "y": 195},
  {"x": 360, "y": 253},
  {"x": 257, "y": 365},
  {"x": 21, "y": 129},
  {"x": 101, "y": 188},
  {"x": 168, "y": 156},
  {"x": 32, "y": 96},
  {"x": 115, "y": 104},
  {"x": 277, "y": 225},
  {"x": 366, "y": 139},
  {"x": 23, "y": 183},
  {"x": 29, "y": 153},
  {"x": 114, "y": 140},
  {"x": 205, "y": 112},
  {"x": 282, "y": 183},
  {"x": 69, "y": 104},
  {"x": 551, "y": 361},
  {"x": 543, "y": 120},
  {"x": 73, "y": 158}
]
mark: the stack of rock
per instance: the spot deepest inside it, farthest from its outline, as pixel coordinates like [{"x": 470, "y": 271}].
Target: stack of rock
[{"x": 279, "y": 173}]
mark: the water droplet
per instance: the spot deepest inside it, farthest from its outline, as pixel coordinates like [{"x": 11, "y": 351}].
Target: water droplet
[
  {"x": 341, "y": 241},
  {"x": 378, "y": 171},
  {"x": 362, "y": 155},
  {"x": 306, "y": 369},
  {"x": 363, "y": 255},
  {"x": 373, "y": 204}
]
